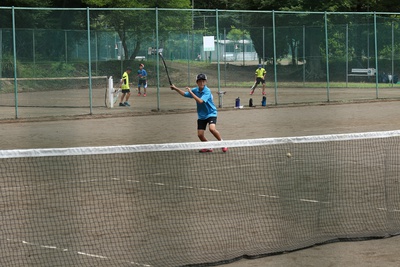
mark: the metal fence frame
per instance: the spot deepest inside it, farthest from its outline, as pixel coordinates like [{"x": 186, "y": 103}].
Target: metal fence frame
[{"x": 217, "y": 13}]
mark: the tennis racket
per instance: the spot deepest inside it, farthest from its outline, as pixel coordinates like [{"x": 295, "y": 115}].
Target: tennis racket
[
  {"x": 166, "y": 68},
  {"x": 116, "y": 95}
]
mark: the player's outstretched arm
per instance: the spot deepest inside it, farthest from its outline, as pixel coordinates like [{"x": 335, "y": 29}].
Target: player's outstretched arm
[{"x": 180, "y": 91}]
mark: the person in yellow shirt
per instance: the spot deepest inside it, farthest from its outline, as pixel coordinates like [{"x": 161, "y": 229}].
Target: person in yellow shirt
[
  {"x": 260, "y": 78},
  {"x": 125, "y": 89}
]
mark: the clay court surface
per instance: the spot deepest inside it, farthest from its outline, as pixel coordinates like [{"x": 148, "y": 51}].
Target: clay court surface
[{"x": 64, "y": 122}]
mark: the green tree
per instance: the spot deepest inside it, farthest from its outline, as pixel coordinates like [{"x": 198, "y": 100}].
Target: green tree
[
  {"x": 44, "y": 24},
  {"x": 137, "y": 25},
  {"x": 237, "y": 36},
  {"x": 315, "y": 45},
  {"x": 23, "y": 18}
]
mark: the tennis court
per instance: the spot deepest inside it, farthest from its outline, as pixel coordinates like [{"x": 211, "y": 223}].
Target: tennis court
[
  {"x": 61, "y": 103},
  {"x": 78, "y": 206},
  {"x": 92, "y": 200}
]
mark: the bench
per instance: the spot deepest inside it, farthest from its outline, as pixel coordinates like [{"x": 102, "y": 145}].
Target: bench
[{"x": 370, "y": 72}]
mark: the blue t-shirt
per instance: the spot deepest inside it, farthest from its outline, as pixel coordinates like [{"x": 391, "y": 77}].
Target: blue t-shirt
[
  {"x": 207, "y": 109},
  {"x": 142, "y": 74}
]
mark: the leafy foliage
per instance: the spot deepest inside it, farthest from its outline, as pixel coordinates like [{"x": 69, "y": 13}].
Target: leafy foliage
[
  {"x": 131, "y": 25},
  {"x": 137, "y": 26}
]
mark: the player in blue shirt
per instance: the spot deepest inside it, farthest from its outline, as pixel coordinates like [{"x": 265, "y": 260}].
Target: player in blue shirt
[
  {"x": 142, "y": 76},
  {"x": 206, "y": 109}
]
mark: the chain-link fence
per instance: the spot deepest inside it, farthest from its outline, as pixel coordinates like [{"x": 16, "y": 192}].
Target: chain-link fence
[{"x": 308, "y": 56}]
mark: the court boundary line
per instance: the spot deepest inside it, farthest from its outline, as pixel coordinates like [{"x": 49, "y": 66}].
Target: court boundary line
[{"x": 91, "y": 255}]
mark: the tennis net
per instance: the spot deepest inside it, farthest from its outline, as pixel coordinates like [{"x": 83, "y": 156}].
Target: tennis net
[{"x": 168, "y": 205}]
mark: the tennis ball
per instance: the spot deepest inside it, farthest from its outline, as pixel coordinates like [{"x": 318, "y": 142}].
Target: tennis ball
[{"x": 289, "y": 155}]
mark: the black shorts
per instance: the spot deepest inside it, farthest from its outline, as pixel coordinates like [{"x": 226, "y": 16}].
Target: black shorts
[
  {"x": 125, "y": 91},
  {"x": 142, "y": 82},
  {"x": 202, "y": 124},
  {"x": 260, "y": 80}
]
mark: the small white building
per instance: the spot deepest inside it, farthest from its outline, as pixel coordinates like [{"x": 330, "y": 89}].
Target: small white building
[{"x": 231, "y": 51}]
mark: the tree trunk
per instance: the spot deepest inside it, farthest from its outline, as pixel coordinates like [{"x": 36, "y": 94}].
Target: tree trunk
[
  {"x": 136, "y": 50},
  {"x": 293, "y": 48},
  {"x": 314, "y": 59}
]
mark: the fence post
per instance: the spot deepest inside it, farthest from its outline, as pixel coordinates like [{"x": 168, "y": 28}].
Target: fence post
[
  {"x": 347, "y": 55},
  {"x": 304, "y": 55},
  {"x": 158, "y": 62},
  {"x": 376, "y": 57},
  {"x": 218, "y": 66},
  {"x": 274, "y": 44},
  {"x": 392, "y": 28},
  {"x": 15, "y": 63},
  {"x": 90, "y": 60},
  {"x": 327, "y": 56}
]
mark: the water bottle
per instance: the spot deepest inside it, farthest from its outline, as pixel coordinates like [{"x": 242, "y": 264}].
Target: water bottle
[
  {"x": 237, "y": 103},
  {"x": 264, "y": 101},
  {"x": 251, "y": 102}
]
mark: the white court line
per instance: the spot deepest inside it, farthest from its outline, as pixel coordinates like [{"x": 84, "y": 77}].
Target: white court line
[
  {"x": 385, "y": 209},
  {"x": 77, "y": 252},
  {"x": 185, "y": 187},
  {"x": 314, "y": 201},
  {"x": 92, "y": 255},
  {"x": 210, "y": 189},
  {"x": 227, "y": 191},
  {"x": 219, "y": 190},
  {"x": 268, "y": 196},
  {"x": 228, "y": 167},
  {"x": 50, "y": 247},
  {"x": 163, "y": 184},
  {"x": 234, "y": 192}
]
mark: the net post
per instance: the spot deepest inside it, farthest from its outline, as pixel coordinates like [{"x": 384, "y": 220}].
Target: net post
[
  {"x": 110, "y": 92},
  {"x": 220, "y": 95}
]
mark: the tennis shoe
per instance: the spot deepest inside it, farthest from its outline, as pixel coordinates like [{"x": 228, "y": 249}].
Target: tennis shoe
[
  {"x": 127, "y": 104},
  {"x": 224, "y": 149},
  {"x": 144, "y": 94},
  {"x": 251, "y": 92},
  {"x": 139, "y": 93},
  {"x": 263, "y": 93},
  {"x": 205, "y": 150},
  {"x": 121, "y": 104}
]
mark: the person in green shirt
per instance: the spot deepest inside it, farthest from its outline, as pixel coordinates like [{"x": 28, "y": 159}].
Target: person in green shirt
[
  {"x": 260, "y": 78},
  {"x": 125, "y": 89}
]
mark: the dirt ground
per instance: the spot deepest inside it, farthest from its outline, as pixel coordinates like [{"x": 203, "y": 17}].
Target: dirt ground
[{"x": 125, "y": 127}]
